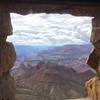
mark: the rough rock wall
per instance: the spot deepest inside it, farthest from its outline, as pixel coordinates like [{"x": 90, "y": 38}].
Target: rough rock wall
[
  {"x": 93, "y": 88},
  {"x": 93, "y": 85},
  {"x": 7, "y": 58},
  {"x": 94, "y": 57}
]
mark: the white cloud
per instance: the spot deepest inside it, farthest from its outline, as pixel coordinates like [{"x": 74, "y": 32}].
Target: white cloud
[{"x": 50, "y": 29}]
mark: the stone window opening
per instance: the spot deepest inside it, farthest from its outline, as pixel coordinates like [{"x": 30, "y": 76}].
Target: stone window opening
[
  {"x": 25, "y": 64},
  {"x": 7, "y": 51}
]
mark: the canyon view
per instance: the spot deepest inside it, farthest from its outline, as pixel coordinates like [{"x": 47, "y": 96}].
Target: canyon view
[{"x": 52, "y": 50}]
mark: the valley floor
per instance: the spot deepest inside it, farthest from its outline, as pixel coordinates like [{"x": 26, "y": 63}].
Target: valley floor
[{"x": 26, "y": 94}]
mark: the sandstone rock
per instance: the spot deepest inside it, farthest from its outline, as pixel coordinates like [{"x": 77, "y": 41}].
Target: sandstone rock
[
  {"x": 93, "y": 88},
  {"x": 7, "y": 87},
  {"x": 7, "y": 57}
]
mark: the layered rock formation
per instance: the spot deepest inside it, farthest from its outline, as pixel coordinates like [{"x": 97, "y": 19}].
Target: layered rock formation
[
  {"x": 51, "y": 81},
  {"x": 7, "y": 58}
]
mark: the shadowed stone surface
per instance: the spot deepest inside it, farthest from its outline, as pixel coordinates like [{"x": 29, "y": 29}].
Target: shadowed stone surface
[
  {"x": 7, "y": 57},
  {"x": 95, "y": 35},
  {"x": 94, "y": 58},
  {"x": 7, "y": 87},
  {"x": 93, "y": 85},
  {"x": 5, "y": 22},
  {"x": 72, "y": 1}
]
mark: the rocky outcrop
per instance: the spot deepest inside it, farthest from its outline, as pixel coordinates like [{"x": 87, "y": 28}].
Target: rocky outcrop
[
  {"x": 5, "y": 22},
  {"x": 93, "y": 85},
  {"x": 93, "y": 88},
  {"x": 94, "y": 57},
  {"x": 7, "y": 87},
  {"x": 56, "y": 82},
  {"x": 7, "y": 58}
]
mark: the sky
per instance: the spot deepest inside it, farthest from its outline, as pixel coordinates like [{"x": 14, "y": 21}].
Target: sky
[{"x": 50, "y": 29}]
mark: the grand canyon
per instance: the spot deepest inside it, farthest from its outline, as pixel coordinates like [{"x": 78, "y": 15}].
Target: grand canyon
[{"x": 51, "y": 73}]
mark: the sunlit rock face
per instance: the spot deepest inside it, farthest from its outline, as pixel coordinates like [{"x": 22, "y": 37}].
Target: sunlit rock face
[{"x": 93, "y": 88}]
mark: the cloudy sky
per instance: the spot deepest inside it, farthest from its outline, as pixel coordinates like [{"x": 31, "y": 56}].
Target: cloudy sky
[{"x": 50, "y": 29}]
